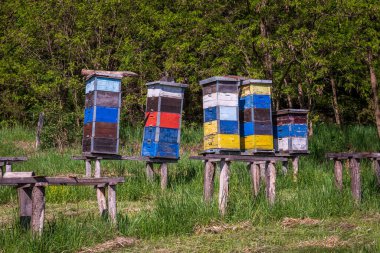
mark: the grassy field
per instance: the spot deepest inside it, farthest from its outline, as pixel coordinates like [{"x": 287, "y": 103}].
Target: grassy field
[{"x": 309, "y": 215}]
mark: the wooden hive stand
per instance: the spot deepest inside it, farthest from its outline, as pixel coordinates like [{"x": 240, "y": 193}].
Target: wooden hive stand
[
  {"x": 354, "y": 166},
  {"x": 7, "y": 163},
  {"x": 256, "y": 165},
  {"x": 294, "y": 158}
]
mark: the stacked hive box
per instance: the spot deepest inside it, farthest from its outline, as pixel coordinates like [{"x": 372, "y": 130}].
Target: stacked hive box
[
  {"x": 256, "y": 131},
  {"x": 163, "y": 119},
  {"x": 101, "y": 115},
  {"x": 290, "y": 131},
  {"x": 220, "y": 114}
]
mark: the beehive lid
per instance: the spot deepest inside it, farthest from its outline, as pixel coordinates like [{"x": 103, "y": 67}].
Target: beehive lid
[
  {"x": 217, "y": 78},
  {"x": 111, "y": 76},
  {"x": 290, "y": 111},
  {"x": 258, "y": 81},
  {"x": 174, "y": 84}
]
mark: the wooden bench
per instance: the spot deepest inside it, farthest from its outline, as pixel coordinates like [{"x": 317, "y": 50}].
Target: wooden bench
[
  {"x": 8, "y": 161},
  {"x": 354, "y": 165},
  {"x": 255, "y": 164},
  {"x": 31, "y": 195}
]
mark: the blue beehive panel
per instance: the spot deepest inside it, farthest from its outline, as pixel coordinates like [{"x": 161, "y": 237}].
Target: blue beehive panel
[
  {"x": 108, "y": 84},
  {"x": 149, "y": 133},
  {"x": 245, "y": 102},
  {"x": 103, "y": 114},
  {"x": 228, "y": 113},
  {"x": 168, "y": 135},
  {"x": 296, "y": 130},
  {"x": 209, "y": 114},
  {"x": 229, "y": 127},
  {"x": 160, "y": 149},
  {"x": 246, "y": 128},
  {"x": 261, "y": 99}
]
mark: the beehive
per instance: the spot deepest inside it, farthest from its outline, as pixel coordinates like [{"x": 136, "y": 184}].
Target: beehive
[
  {"x": 290, "y": 131},
  {"x": 220, "y": 114},
  {"x": 101, "y": 115},
  {"x": 256, "y": 130},
  {"x": 163, "y": 120}
]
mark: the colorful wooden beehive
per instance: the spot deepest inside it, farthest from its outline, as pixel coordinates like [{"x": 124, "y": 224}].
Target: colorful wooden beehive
[
  {"x": 290, "y": 131},
  {"x": 256, "y": 130},
  {"x": 221, "y": 114},
  {"x": 163, "y": 119},
  {"x": 101, "y": 115}
]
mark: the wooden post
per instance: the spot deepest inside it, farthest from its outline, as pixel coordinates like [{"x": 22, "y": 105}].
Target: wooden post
[
  {"x": 1, "y": 169},
  {"x": 285, "y": 165},
  {"x": 39, "y": 128},
  {"x": 25, "y": 206},
  {"x": 271, "y": 183},
  {"x": 223, "y": 186},
  {"x": 164, "y": 175},
  {"x": 38, "y": 209},
  {"x": 295, "y": 160},
  {"x": 262, "y": 170},
  {"x": 355, "y": 179},
  {"x": 149, "y": 171},
  {"x": 112, "y": 203},
  {"x": 376, "y": 166},
  {"x": 254, "y": 170},
  {"x": 208, "y": 183},
  {"x": 88, "y": 168},
  {"x": 338, "y": 172},
  {"x": 100, "y": 191},
  {"x": 8, "y": 167}
]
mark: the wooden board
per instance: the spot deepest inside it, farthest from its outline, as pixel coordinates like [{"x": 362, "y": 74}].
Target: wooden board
[
  {"x": 61, "y": 180},
  {"x": 262, "y": 114},
  {"x": 102, "y": 130},
  {"x": 100, "y": 145},
  {"x": 208, "y": 89},
  {"x": 103, "y": 98}
]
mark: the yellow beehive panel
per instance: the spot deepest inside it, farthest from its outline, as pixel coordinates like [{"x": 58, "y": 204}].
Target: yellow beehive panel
[
  {"x": 245, "y": 91},
  {"x": 222, "y": 141},
  {"x": 210, "y": 127},
  {"x": 260, "y": 89},
  {"x": 264, "y": 142}
]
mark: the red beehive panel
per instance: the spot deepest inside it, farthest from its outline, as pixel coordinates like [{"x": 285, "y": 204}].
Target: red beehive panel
[{"x": 168, "y": 120}]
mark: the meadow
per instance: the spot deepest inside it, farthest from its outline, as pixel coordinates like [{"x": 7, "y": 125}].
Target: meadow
[{"x": 309, "y": 215}]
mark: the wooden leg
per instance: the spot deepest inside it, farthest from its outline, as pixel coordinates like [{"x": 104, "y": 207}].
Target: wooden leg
[
  {"x": 88, "y": 168},
  {"x": 164, "y": 175},
  {"x": 223, "y": 186},
  {"x": 1, "y": 170},
  {"x": 8, "y": 167},
  {"x": 376, "y": 166},
  {"x": 25, "y": 206},
  {"x": 285, "y": 165},
  {"x": 271, "y": 183},
  {"x": 100, "y": 192},
  {"x": 112, "y": 203},
  {"x": 38, "y": 209},
  {"x": 208, "y": 183},
  {"x": 355, "y": 179},
  {"x": 338, "y": 172},
  {"x": 295, "y": 167},
  {"x": 149, "y": 172},
  {"x": 254, "y": 171}
]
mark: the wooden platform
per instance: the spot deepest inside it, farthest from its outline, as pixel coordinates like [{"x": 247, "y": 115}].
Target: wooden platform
[{"x": 8, "y": 161}]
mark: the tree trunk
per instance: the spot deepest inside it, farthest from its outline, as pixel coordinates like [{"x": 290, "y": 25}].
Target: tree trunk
[
  {"x": 374, "y": 91},
  {"x": 300, "y": 95},
  {"x": 335, "y": 102}
]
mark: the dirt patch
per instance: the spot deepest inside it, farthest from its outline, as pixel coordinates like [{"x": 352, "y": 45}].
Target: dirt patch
[
  {"x": 221, "y": 227},
  {"x": 293, "y": 222},
  {"x": 116, "y": 243},
  {"x": 328, "y": 242}
]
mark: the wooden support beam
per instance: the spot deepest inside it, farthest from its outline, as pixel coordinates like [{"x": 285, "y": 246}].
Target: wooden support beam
[
  {"x": 338, "y": 172},
  {"x": 254, "y": 171},
  {"x": 223, "y": 186},
  {"x": 355, "y": 179},
  {"x": 295, "y": 163},
  {"x": 60, "y": 180},
  {"x": 8, "y": 167},
  {"x": 100, "y": 192},
  {"x": 208, "y": 183},
  {"x": 25, "y": 206},
  {"x": 285, "y": 166},
  {"x": 112, "y": 211},
  {"x": 149, "y": 171},
  {"x": 38, "y": 209},
  {"x": 88, "y": 168},
  {"x": 164, "y": 175},
  {"x": 271, "y": 183},
  {"x": 1, "y": 170}
]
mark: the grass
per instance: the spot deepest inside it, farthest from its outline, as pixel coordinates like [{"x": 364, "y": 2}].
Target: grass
[{"x": 171, "y": 220}]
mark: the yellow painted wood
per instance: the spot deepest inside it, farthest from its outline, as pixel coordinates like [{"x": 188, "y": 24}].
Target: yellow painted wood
[
  {"x": 222, "y": 141},
  {"x": 260, "y": 89},
  {"x": 245, "y": 91},
  {"x": 257, "y": 142},
  {"x": 210, "y": 127}
]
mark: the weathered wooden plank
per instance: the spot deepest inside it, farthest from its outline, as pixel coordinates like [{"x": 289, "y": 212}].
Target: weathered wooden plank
[
  {"x": 88, "y": 168},
  {"x": 263, "y": 167},
  {"x": 164, "y": 175},
  {"x": 243, "y": 158},
  {"x": 355, "y": 179},
  {"x": 254, "y": 170},
  {"x": 25, "y": 206},
  {"x": 61, "y": 180},
  {"x": 149, "y": 171},
  {"x": 271, "y": 183},
  {"x": 208, "y": 185},
  {"x": 18, "y": 174},
  {"x": 338, "y": 172},
  {"x": 112, "y": 208},
  {"x": 223, "y": 186},
  {"x": 100, "y": 192},
  {"x": 89, "y": 72},
  {"x": 8, "y": 167},
  {"x": 13, "y": 159},
  {"x": 38, "y": 209}
]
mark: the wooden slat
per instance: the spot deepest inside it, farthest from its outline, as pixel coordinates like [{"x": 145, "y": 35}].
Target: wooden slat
[
  {"x": 88, "y": 72},
  {"x": 243, "y": 158},
  {"x": 13, "y": 159},
  {"x": 357, "y": 155},
  {"x": 118, "y": 157},
  {"x": 61, "y": 180}
]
